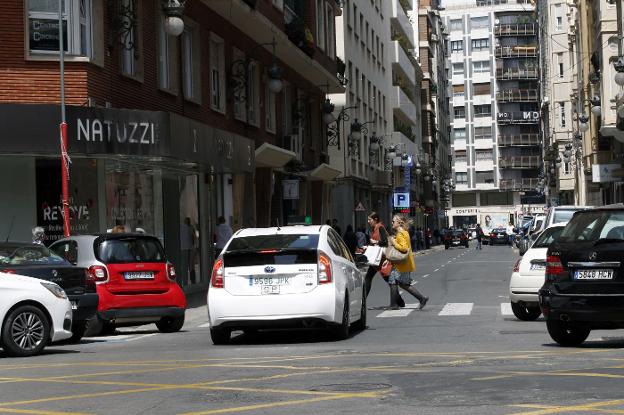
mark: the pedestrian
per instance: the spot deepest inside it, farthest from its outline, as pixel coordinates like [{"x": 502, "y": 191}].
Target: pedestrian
[
  {"x": 420, "y": 239},
  {"x": 428, "y": 238},
  {"x": 223, "y": 235},
  {"x": 510, "y": 234},
  {"x": 436, "y": 236},
  {"x": 350, "y": 240},
  {"x": 360, "y": 234},
  {"x": 336, "y": 227},
  {"x": 400, "y": 274},
  {"x": 479, "y": 233},
  {"x": 379, "y": 237},
  {"x": 412, "y": 234},
  {"x": 187, "y": 246}
]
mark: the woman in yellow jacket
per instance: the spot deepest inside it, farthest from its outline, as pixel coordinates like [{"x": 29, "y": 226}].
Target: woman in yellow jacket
[{"x": 400, "y": 274}]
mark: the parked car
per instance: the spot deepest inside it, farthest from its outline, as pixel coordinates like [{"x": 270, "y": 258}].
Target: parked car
[
  {"x": 135, "y": 282},
  {"x": 33, "y": 313},
  {"x": 561, "y": 215},
  {"x": 37, "y": 261},
  {"x": 293, "y": 276},
  {"x": 584, "y": 285},
  {"x": 498, "y": 236},
  {"x": 528, "y": 276},
  {"x": 455, "y": 237}
]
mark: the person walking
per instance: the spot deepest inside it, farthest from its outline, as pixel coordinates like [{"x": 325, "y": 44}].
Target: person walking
[
  {"x": 224, "y": 233},
  {"x": 510, "y": 234},
  {"x": 362, "y": 240},
  {"x": 420, "y": 239},
  {"x": 379, "y": 237},
  {"x": 479, "y": 233},
  {"x": 350, "y": 240},
  {"x": 400, "y": 274}
]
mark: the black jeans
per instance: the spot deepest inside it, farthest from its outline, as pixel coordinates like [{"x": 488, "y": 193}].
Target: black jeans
[{"x": 368, "y": 280}]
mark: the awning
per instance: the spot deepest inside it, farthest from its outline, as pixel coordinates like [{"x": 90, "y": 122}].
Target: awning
[
  {"x": 324, "y": 172},
  {"x": 268, "y": 155}
]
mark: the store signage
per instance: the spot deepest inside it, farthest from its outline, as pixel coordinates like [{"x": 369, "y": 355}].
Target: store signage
[
  {"x": 603, "y": 173},
  {"x": 132, "y": 132},
  {"x": 44, "y": 34},
  {"x": 401, "y": 200},
  {"x": 470, "y": 211}
]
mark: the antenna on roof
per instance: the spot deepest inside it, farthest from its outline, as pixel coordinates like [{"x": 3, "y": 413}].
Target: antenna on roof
[{"x": 10, "y": 229}]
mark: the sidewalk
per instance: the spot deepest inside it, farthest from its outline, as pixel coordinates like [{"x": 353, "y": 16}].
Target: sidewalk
[{"x": 434, "y": 248}]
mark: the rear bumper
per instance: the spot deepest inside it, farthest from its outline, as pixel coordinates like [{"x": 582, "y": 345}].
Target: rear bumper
[
  {"x": 112, "y": 303},
  {"x": 525, "y": 288},
  {"x": 87, "y": 306},
  {"x": 595, "y": 312},
  {"x": 141, "y": 313}
]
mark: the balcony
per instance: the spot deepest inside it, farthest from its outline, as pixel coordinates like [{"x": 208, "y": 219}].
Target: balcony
[
  {"x": 519, "y": 184},
  {"x": 516, "y": 73},
  {"x": 518, "y": 117},
  {"x": 400, "y": 21},
  {"x": 515, "y": 29},
  {"x": 516, "y": 51},
  {"x": 519, "y": 140},
  {"x": 520, "y": 162},
  {"x": 401, "y": 61},
  {"x": 402, "y": 105},
  {"x": 517, "y": 95}
]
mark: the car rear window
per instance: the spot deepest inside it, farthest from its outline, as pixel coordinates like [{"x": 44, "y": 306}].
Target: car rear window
[
  {"x": 29, "y": 255},
  {"x": 547, "y": 237},
  {"x": 128, "y": 250},
  {"x": 271, "y": 249},
  {"x": 563, "y": 216},
  {"x": 267, "y": 242},
  {"x": 595, "y": 225}
]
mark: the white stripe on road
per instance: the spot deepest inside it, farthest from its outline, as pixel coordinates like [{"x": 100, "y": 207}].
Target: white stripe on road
[
  {"x": 436, "y": 270},
  {"x": 203, "y": 326},
  {"x": 396, "y": 313},
  {"x": 425, "y": 276},
  {"x": 141, "y": 337},
  {"x": 456, "y": 309},
  {"x": 506, "y": 309}
]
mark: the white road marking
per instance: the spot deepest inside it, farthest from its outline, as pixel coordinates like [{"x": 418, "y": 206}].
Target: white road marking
[
  {"x": 425, "y": 276},
  {"x": 506, "y": 309},
  {"x": 436, "y": 270},
  {"x": 395, "y": 313},
  {"x": 456, "y": 309},
  {"x": 142, "y": 337},
  {"x": 203, "y": 326}
]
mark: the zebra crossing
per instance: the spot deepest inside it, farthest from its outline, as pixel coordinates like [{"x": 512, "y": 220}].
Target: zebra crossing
[{"x": 447, "y": 310}]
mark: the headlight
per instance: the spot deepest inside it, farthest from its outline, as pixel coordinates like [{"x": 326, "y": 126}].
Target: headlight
[{"x": 54, "y": 289}]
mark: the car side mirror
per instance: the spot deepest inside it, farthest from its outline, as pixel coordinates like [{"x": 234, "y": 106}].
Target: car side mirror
[{"x": 361, "y": 260}]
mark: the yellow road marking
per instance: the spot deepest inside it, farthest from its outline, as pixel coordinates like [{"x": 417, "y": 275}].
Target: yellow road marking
[
  {"x": 37, "y": 412},
  {"x": 575, "y": 408}
]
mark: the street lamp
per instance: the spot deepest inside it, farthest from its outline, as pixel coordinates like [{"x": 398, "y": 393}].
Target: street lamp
[
  {"x": 583, "y": 123},
  {"x": 333, "y": 131},
  {"x": 357, "y": 129},
  {"x": 173, "y": 10},
  {"x": 239, "y": 74}
]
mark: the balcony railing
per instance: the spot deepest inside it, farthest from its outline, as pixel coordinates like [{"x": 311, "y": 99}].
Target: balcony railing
[
  {"x": 518, "y": 117},
  {"x": 519, "y": 184},
  {"x": 520, "y": 140},
  {"x": 515, "y": 51},
  {"x": 518, "y": 95},
  {"x": 515, "y": 29},
  {"x": 516, "y": 73},
  {"x": 520, "y": 162}
]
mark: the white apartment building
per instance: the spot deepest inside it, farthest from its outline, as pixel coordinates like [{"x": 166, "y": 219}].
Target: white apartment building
[{"x": 495, "y": 115}]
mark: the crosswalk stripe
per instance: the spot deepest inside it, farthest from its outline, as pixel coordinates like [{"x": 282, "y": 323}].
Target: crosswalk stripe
[
  {"x": 456, "y": 309},
  {"x": 396, "y": 313},
  {"x": 506, "y": 309},
  {"x": 202, "y": 326}
]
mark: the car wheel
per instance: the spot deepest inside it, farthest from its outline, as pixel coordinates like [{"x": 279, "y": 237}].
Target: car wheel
[
  {"x": 108, "y": 328},
  {"x": 361, "y": 323},
  {"x": 25, "y": 332},
  {"x": 525, "y": 313},
  {"x": 79, "y": 328},
  {"x": 220, "y": 336},
  {"x": 170, "y": 324},
  {"x": 565, "y": 334},
  {"x": 342, "y": 331}
]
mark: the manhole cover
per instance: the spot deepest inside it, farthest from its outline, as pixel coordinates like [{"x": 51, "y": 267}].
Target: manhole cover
[{"x": 351, "y": 387}]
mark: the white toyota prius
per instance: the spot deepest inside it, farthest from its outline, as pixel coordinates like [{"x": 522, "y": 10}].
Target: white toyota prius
[{"x": 284, "y": 277}]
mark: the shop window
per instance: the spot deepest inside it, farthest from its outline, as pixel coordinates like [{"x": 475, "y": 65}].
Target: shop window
[{"x": 189, "y": 263}]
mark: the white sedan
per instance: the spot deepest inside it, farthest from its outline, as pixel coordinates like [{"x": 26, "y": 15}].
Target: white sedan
[
  {"x": 291, "y": 276},
  {"x": 33, "y": 314},
  {"x": 528, "y": 276}
]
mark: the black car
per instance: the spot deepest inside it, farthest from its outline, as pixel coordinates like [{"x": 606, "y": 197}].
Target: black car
[
  {"x": 37, "y": 261},
  {"x": 455, "y": 237},
  {"x": 584, "y": 284},
  {"x": 498, "y": 236}
]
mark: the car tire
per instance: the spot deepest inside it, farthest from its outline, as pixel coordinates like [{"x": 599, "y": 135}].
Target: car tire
[
  {"x": 220, "y": 336},
  {"x": 361, "y": 323},
  {"x": 35, "y": 321},
  {"x": 525, "y": 313},
  {"x": 108, "y": 328},
  {"x": 565, "y": 334},
  {"x": 170, "y": 324},
  {"x": 342, "y": 331}
]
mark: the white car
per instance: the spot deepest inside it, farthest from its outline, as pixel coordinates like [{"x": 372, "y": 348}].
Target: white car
[
  {"x": 560, "y": 215},
  {"x": 528, "y": 276},
  {"x": 33, "y": 314},
  {"x": 291, "y": 276}
]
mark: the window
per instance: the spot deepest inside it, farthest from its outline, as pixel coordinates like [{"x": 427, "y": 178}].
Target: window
[
  {"x": 560, "y": 64},
  {"x": 484, "y": 177},
  {"x": 562, "y": 115},
  {"x": 287, "y": 122},
  {"x": 459, "y": 133},
  {"x": 482, "y": 110},
  {"x": 481, "y": 67},
  {"x": 460, "y": 156},
  {"x": 129, "y": 64},
  {"x": 355, "y": 14},
  {"x": 482, "y": 89},
  {"x": 331, "y": 39},
  {"x": 269, "y": 109},
  {"x": 458, "y": 69},
  {"x": 190, "y": 62},
  {"x": 481, "y": 22},
  {"x": 480, "y": 44},
  {"x": 558, "y": 14},
  {"x": 458, "y": 91},
  {"x": 460, "y": 112},
  {"x": 566, "y": 167},
  {"x": 461, "y": 178},
  {"x": 484, "y": 154},
  {"x": 167, "y": 62},
  {"x": 320, "y": 24},
  {"x": 457, "y": 46},
  {"x": 239, "y": 103},
  {"x": 217, "y": 73},
  {"x": 483, "y": 133},
  {"x": 43, "y": 27},
  {"x": 456, "y": 24},
  {"x": 253, "y": 89}
]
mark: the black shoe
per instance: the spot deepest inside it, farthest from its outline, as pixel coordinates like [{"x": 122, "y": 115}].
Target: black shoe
[
  {"x": 400, "y": 302},
  {"x": 423, "y": 303},
  {"x": 394, "y": 307}
]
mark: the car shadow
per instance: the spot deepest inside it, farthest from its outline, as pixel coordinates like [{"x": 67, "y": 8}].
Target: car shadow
[
  {"x": 287, "y": 336},
  {"x": 608, "y": 343}
]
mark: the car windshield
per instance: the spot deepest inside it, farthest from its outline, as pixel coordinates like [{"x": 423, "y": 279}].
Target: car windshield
[
  {"x": 273, "y": 242},
  {"x": 563, "y": 216},
  {"x": 29, "y": 255},
  {"x": 129, "y": 249},
  {"x": 594, "y": 225},
  {"x": 547, "y": 237}
]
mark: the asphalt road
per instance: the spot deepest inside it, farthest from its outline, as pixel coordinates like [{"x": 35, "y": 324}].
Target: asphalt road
[{"x": 464, "y": 353}]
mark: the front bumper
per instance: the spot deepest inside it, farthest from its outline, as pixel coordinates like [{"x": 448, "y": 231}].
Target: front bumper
[
  {"x": 61, "y": 322},
  {"x": 594, "y": 311}
]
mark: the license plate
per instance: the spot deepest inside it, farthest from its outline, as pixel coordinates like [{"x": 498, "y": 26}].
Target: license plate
[
  {"x": 139, "y": 275},
  {"x": 538, "y": 267},
  {"x": 74, "y": 305},
  {"x": 269, "y": 281},
  {"x": 270, "y": 289},
  {"x": 593, "y": 274}
]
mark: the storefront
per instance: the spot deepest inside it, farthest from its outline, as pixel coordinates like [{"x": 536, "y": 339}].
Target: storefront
[{"x": 151, "y": 172}]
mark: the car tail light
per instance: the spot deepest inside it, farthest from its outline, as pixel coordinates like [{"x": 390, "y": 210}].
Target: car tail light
[
  {"x": 516, "y": 267},
  {"x": 324, "y": 269},
  {"x": 554, "y": 268},
  {"x": 216, "y": 279},
  {"x": 9, "y": 271},
  {"x": 171, "y": 274},
  {"x": 97, "y": 273}
]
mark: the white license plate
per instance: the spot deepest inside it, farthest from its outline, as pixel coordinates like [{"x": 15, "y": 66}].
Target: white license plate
[
  {"x": 139, "y": 275},
  {"x": 269, "y": 281},
  {"x": 593, "y": 274},
  {"x": 537, "y": 267},
  {"x": 270, "y": 289},
  {"x": 74, "y": 305}
]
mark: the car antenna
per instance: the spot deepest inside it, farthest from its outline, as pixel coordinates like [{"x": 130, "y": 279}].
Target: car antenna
[{"x": 10, "y": 229}]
